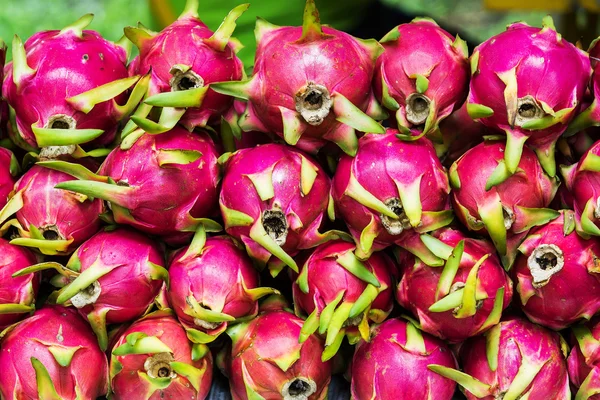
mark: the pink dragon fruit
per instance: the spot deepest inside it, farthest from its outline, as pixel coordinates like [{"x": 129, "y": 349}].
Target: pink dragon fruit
[
  {"x": 393, "y": 365},
  {"x": 557, "y": 274},
  {"x": 463, "y": 299},
  {"x": 102, "y": 274},
  {"x": 296, "y": 93},
  {"x": 518, "y": 86},
  {"x": 69, "y": 87},
  {"x": 17, "y": 295},
  {"x": 153, "y": 359},
  {"x": 212, "y": 282},
  {"x": 273, "y": 199},
  {"x": 341, "y": 294},
  {"x": 267, "y": 361},
  {"x": 590, "y": 116},
  {"x": 583, "y": 362},
  {"x": 390, "y": 192},
  {"x": 52, "y": 355},
  {"x": 9, "y": 169},
  {"x": 183, "y": 60},
  {"x": 489, "y": 199},
  {"x": 514, "y": 360},
  {"x": 583, "y": 182},
  {"x": 423, "y": 74},
  {"x": 51, "y": 220},
  {"x": 160, "y": 184}
]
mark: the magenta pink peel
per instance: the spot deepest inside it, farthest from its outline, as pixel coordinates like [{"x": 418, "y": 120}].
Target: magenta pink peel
[
  {"x": 213, "y": 283},
  {"x": 274, "y": 199},
  {"x": 557, "y": 274},
  {"x": 530, "y": 101},
  {"x": 165, "y": 185},
  {"x": 266, "y": 358},
  {"x": 422, "y": 76},
  {"x": 51, "y": 220},
  {"x": 515, "y": 359},
  {"x": 153, "y": 359},
  {"x": 463, "y": 298},
  {"x": 490, "y": 200},
  {"x": 342, "y": 295},
  {"x": 9, "y": 170},
  {"x": 52, "y": 355},
  {"x": 385, "y": 198},
  {"x": 302, "y": 99},
  {"x": 393, "y": 365},
  {"x": 42, "y": 72},
  {"x": 183, "y": 60},
  {"x": 17, "y": 294}
]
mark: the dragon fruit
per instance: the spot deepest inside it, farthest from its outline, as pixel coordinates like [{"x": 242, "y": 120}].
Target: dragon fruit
[
  {"x": 393, "y": 365},
  {"x": 160, "y": 184},
  {"x": 518, "y": 86},
  {"x": 557, "y": 274},
  {"x": 102, "y": 274},
  {"x": 183, "y": 60},
  {"x": 212, "y": 282},
  {"x": 465, "y": 297},
  {"x": 390, "y": 192},
  {"x": 495, "y": 202},
  {"x": 423, "y": 74},
  {"x": 267, "y": 361},
  {"x": 9, "y": 169},
  {"x": 583, "y": 182},
  {"x": 590, "y": 116},
  {"x": 52, "y": 355},
  {"x": 17, "y": 295},
  {"x": 583, "y": 363},
  {"x": 273, "y": 198},
  {"x": 296, "y": 93},
  {"x": 51, "y": 220},
  {"x": 342, "y": 295},
  {"x": 514, "y": 360},
  {"x": 153, "y": 359},
  {"x": 69, "y": 87}
]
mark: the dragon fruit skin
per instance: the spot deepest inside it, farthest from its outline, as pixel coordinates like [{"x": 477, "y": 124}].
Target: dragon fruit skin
[
  {"x": 525, "y": 92},
  {"x": 17, "y": 295},
  {"x": 53, "y": 355},
  {"x": 459, "y": 133},
  {"x": 515, "y": 358},
  {"x": 296, "y": 94},
  {"x": 165, "y": 184},
  {"x": 211, "y": 283},
  {"x": 424, "y": 290},
  {"x": 104, "y": 271},
  {"x": 393, "y": 364},
  {"x": 423, "y": 74},
  {"x": 53, "y": 221},
  {"x": 90, "y": 70},
  {"x": 9, "y": 169},
  {"x": 583, "y": 363},
  {"x": 267, "y": 360},
  {"x": 153, "y": 359},
  {"x": 583, "y": 182},
  {"x": 391, "y": 191},
  {"x": 341, "y": 295},
  {"x": 183, "y": 59},
  {"x": 274, "y": 198},
  {"x": 556, "y": 263},
  {"x": 590, "y": 116},
  {"x": 488, "y": 199}
]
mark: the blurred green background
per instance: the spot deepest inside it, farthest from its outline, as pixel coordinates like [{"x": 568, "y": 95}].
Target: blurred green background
[{"x": 476, "y": 20}]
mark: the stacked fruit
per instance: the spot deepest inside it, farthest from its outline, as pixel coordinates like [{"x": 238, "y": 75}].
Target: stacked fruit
[{"x": 156, "y": 193}]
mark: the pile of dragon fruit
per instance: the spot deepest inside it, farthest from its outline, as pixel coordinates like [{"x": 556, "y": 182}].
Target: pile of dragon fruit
[{"x": 171, "y": 216}]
